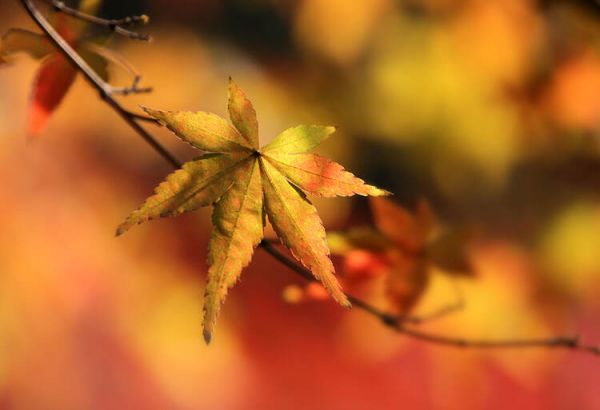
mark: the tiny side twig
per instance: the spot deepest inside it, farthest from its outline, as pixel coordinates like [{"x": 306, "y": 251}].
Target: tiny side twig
[
  {"x": 391, "y": 321},
  {"x": 116, "y": 25},
  {"x": 116, "y": 58}
]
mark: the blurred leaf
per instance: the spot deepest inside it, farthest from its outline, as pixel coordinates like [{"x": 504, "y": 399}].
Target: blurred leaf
[
  {"x": 52, "y": 83},
  {"x": 449, "y": 253},
  {"x": 341, "y": 243},
  {"x": 402, "y": 249},
  {"x": 402, "y": 227},
  {"x": 22, "y": 41},
  {"x": 406, "y": 281}
]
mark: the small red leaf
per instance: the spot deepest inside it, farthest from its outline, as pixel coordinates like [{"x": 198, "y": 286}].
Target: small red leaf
[{"x": 51, "y": 85}]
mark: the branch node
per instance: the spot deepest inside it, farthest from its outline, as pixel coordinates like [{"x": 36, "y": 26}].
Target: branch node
[
  {"x": 390, "y": 320},
  {"x": 570, "y": 342}
]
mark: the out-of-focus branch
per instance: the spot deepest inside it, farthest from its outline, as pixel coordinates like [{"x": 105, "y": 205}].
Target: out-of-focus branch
[
  {"x": 116, "y": 25},
  {"x": 397, "y": 323}
]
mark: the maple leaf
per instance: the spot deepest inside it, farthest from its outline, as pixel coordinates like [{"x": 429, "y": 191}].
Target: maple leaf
[
  {"x": 244, "y": 183},
  {"x": 56, "y": 74}
]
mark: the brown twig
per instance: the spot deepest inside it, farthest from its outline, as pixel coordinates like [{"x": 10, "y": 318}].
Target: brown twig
[
  {"x": 116, "y": 25},
  {"x": 391, "y": 321}
]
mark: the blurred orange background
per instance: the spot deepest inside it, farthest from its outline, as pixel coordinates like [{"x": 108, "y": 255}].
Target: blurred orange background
[{"x": 489, "y": 109}]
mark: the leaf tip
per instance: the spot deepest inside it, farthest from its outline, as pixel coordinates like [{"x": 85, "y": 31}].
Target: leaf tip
[
  {"x": 38, "y": 117},
  {"x": 207, "y": 336},
  {"x": 233, "y": 88},
  {"x": 338, "y": 295},
  {"x": 150, "y": 111},
  {"x": 121, "y": 229},
  {"x": 158, "y": 115},
  {"x": 147, "y": 109},
  {"x": 127, "y": 224},
  {"x": 381, "y": 192},
  {"x": 374, "y": 192}
]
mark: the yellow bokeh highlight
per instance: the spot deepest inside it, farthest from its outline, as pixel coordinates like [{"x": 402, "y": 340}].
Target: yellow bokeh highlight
[
  {"x": 570, "y": 250},
  {"x": 336, "y": 30}
]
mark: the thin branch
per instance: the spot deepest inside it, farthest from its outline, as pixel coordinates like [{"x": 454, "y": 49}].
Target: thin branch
[
  {"x": 105, "y": 89},
  {"x": 396, "y": 322},
  {"x": 132, "y": 89},
  {"x": 116, "y": 25},
  {"x": 388, "y": 320},
  {"x": 571, "y": 343}
]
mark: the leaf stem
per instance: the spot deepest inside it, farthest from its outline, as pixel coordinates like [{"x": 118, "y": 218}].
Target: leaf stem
[{"x": 396, "y": 323}]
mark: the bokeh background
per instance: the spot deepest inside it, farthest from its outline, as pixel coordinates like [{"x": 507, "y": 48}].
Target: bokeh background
[{"x": 489, "y": 109}]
